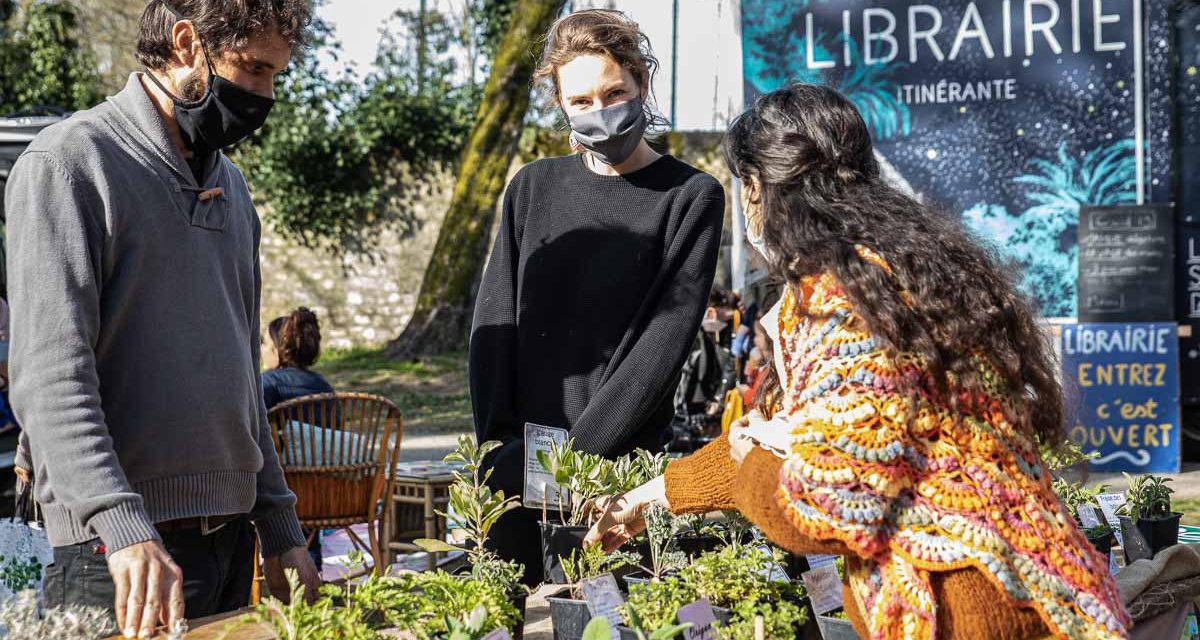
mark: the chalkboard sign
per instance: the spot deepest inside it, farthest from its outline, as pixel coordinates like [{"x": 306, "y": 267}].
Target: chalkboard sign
[
  {"x": 1121, "y": 387},
  {"x": 1126, "y": 264}
]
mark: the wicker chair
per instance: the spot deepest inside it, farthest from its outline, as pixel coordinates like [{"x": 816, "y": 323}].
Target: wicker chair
[{"x": 337, "y": 451}]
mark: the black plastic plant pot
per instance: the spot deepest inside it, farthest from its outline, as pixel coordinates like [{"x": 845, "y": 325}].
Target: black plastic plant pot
[
  {"x": 1149, "y": 536},
  {"x": 1160, "y": 533},
  {"x": 569, "y": 616},
  {"x": 836, "y": 628},
  {"x": 558, "y": 543},
  {"x": 1103, "y": 543},
  {"x": 519, "y": 601},
  {"x": 695, "y": 546}
]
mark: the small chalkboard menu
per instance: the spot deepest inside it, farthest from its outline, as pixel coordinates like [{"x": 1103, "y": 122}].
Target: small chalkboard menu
[{"x": 1126, "y": 264}]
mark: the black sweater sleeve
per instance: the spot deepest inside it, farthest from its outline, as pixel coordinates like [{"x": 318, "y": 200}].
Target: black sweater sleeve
[
  {"x": 671, "y": 317},
  {"x": 492, "y": 367}
]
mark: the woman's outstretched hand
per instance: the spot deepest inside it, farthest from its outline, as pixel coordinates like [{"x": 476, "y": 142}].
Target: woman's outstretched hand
[{"x": 617, "y": 519}]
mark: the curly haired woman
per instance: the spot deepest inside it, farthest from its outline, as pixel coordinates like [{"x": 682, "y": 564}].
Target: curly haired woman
[{"x": 914, "y": 389}]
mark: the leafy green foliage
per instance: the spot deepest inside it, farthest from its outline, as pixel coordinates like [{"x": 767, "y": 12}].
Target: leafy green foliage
[
  {"x": 475, "y": 509},
  {"x": 42, "y": 61},
  {"x": 600, "y": 629},
  {"x": 339, "y": 161},
  {"x": 585, "y": 564},
  {"x": 1075, "y": 494},
  {"x": 661, "y": 528},
  {"x": 429, "y": 606},
  {"x": 736, "y": 579},
  {"x": 586, "y": 476},
  {"x": 1147, "y": 497}
]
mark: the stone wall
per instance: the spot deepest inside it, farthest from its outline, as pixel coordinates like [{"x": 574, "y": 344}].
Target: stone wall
[{"x": 360, "y": 303}]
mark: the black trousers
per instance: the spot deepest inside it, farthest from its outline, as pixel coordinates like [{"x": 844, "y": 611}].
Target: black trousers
[{"x": 217, "y": 570}]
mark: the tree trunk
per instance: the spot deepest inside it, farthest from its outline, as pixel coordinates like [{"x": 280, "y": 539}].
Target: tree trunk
[{"x": 442, "y": 318}]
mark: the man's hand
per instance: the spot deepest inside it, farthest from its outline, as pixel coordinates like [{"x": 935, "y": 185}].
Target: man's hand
[
  {"x": 149, "y": 589},
  {"x": 295, "y": 558}
]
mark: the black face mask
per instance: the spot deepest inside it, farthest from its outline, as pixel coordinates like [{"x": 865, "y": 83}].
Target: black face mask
[{"x": 223, "y": 117}]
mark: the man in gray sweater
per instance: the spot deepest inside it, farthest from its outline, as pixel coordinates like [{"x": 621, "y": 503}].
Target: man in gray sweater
[{"x": 134, "y": 279}]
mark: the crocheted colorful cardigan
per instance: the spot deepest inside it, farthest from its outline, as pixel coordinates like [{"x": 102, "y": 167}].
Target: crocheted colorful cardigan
[{"x": 910, "y": 498}]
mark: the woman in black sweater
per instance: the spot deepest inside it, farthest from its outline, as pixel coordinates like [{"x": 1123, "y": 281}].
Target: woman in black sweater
[{"x": 599, "y": 275}]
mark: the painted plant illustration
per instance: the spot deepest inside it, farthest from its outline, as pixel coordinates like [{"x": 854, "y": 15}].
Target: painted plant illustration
[{"x": 1043, "y": 237}]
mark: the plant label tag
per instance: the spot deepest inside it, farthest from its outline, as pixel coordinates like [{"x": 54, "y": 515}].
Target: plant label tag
[
  {"x": 604, "y": 600},
  {"x": 541, "y": 491},
  {"x": 824, "y": 588},
  {"x": 1087, "y": 516},
  {"x": 700, "y": 615},
  {"x": 820, "y": 560},
  {"x": 498, "y": 634},
  {"x": 1109, "y": 503},
  {"x": 773, "y": 572}
]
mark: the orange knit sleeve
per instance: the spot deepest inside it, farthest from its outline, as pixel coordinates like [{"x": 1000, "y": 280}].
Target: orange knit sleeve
[
  {"x": 703, "y": 481},
  {"x": 755, "y": 495}
]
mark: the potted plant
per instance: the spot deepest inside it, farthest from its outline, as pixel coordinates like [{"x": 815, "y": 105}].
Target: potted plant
[
  {"x": 661, "y": 526},
  {"x": 1075, "y": 497},
  {"x": 475, "y": 509},
  {"x": 1146, "y": 516},
  {"x": 600, "y": 629},
  {"x": 584, "y": 477},
  {"x": 736, "y": 582},
  {"x": 569, "y": 612}
]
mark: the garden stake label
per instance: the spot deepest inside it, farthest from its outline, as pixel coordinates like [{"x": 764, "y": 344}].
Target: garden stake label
[
  {"x": 498, "y": 634},
  {"x": 541, "y": 491},
  {"x": 1087, "y": 516},
  {"x": 1109, "y": 503},
  {"x": 824, "y": 588},
  {"x": 604, "y": 600},
  {"x": 700, "y": 615}
]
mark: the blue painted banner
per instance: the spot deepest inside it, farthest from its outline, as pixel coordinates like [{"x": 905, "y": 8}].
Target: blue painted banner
[
  {"x": 1121, "y": 383},
  {"x": 1014, "y": 113}
]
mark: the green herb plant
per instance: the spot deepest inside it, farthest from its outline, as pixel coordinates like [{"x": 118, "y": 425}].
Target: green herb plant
[
  {"x": 437, "y": 605},
  {"x": 590, "y": 562},
  {"x": 660, "y": 529},
  {"x": 1147, "y": 497},
  {"x": 600, "y": 629},
  {"x": 582, "y": 476},
  {"x": 475, "y": 509},
  {"x": 736, "y": 579},
  {"x": 1075, "y": 495}
]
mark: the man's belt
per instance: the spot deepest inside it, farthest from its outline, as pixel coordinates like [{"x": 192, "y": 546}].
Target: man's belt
[{"x": 206, "y": 524}]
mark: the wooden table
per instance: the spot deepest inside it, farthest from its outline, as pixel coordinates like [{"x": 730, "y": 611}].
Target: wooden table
[
  {"x": 228, "y": 626},
  {"x": 421, "y": 490}
]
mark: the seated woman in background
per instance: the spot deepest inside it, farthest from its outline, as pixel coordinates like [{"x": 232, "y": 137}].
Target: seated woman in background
[
  {"x": 294, "y": 345},
  {"x": 916, "y": 386}
]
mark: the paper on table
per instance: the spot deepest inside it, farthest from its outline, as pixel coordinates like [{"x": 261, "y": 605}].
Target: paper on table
[
  {"x": 824, "y": 588},
  {"x": 700, "y": 614},
  {"x": 540, "y": 488},
  {"x": 604, "y": 600}
]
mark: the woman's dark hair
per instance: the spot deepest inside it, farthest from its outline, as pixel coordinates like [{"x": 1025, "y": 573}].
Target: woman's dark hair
[
  {"x": 222, "y": 25},
  {"x": 297, "y": 339},
  {"x": 943, "y": 296}
]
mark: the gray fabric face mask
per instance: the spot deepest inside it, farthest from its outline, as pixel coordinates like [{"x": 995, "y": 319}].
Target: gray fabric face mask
[{"x": 611, "y": 134}]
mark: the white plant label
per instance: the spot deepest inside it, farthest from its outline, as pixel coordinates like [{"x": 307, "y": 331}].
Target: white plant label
[{"x": 541, "y": 491}]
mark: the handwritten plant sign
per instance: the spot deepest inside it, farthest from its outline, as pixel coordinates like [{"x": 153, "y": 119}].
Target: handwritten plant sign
[{"x": 1121, "y": 383}]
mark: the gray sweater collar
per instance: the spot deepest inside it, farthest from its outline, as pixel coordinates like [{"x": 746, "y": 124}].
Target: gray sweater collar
[{"x": 143, "y": 126}]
